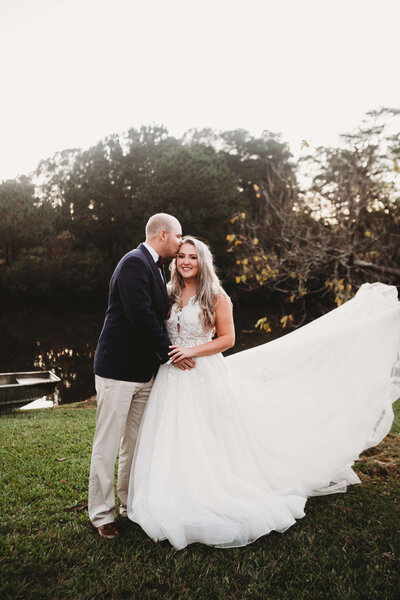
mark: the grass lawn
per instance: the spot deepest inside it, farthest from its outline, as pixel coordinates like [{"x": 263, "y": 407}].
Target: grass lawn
[{"x": 347, "y": 546}]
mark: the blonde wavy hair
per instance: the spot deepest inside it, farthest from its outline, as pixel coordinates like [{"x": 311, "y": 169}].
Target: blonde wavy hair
[{"x": 208, "y": 286}]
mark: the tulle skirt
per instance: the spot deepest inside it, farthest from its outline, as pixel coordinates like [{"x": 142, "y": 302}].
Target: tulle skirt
[{"x": 230, "y": 450}]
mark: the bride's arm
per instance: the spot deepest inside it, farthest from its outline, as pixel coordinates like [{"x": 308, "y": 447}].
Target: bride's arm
[{"x": 225, "y": 330}]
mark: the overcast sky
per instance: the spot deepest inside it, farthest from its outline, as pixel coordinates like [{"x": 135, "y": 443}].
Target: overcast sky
[{"x": 73, "y": 71}]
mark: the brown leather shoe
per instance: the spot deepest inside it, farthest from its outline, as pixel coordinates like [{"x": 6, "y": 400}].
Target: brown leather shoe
[{"x": 109, "y": 531}]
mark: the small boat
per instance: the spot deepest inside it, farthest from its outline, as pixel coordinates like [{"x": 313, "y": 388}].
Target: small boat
[{"x": 23, "y": 387}]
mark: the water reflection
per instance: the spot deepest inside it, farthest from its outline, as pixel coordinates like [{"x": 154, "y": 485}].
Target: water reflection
[{"x": 63, "y": 339}]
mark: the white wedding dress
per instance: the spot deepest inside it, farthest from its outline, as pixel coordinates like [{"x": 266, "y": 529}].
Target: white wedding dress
[{"x": 230, "y": 450}]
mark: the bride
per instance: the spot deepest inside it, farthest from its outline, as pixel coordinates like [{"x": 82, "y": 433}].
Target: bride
[{"x": 230, "y": 450}]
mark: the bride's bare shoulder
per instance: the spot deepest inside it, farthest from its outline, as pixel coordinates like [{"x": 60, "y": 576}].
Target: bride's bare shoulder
[{"x": 222, "y": 300}]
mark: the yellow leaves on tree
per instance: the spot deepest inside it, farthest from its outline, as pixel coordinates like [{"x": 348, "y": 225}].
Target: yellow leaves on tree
[{"x": 342, "y": 289}]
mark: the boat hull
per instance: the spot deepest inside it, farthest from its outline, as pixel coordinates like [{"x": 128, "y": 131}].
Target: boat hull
[{"x": 23, "y": 387}]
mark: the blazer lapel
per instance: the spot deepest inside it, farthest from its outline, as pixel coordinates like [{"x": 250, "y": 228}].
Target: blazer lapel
[{"x": 156, "y": 272}]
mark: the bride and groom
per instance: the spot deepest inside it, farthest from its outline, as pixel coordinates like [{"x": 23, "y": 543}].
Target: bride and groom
[{"x": 224, "y": 450}]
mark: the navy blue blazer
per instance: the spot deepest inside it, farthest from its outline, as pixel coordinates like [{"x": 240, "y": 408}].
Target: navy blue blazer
[{"x": 133, "y": 341}]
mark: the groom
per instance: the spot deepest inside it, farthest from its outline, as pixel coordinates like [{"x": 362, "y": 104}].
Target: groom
[{"x": 132, "y": 344}]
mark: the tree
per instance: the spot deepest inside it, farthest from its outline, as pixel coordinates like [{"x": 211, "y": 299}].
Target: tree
[
  {"x": 358, "y": 188},
  {"x": 95, "y": 191},
  {"x": 18, "y": 222},
  {"x": 195, "y": 184},
  {"x": 262, "y": 162},
  {"x": 341, "y": 232}
]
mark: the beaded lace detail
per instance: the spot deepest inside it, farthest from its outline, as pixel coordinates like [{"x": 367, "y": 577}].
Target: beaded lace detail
[{"x": 185, "y": 326}]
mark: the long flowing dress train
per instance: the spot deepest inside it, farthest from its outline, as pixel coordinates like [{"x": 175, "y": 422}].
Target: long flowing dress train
[{"x": 230, "y": 450}]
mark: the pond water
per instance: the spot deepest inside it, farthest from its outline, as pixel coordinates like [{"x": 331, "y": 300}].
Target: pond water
[{"x": 63, "y": 339}]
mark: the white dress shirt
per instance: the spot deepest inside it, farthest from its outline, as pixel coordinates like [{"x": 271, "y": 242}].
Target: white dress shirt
[{"x": 155, "y": 257}]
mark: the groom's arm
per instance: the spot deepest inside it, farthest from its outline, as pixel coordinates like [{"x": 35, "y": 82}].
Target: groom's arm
[{"x": 135, "y": 293}]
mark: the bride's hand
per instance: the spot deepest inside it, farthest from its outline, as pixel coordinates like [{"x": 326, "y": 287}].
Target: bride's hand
[{"x": 178, "y": 353}]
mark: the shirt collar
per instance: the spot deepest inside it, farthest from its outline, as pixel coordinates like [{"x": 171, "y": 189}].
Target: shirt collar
[{"x": 152, "y": 251}]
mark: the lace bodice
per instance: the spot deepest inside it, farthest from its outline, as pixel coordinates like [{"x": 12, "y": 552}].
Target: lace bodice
[{"x": 185, "y": 326}]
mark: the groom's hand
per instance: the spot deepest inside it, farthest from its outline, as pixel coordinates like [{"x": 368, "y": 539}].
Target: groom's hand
[{"x": 185, "y": 364}]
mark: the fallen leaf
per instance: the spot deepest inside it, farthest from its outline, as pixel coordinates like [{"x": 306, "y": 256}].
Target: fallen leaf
[
  {"x": 76, "y": 507},
  {"x": 63, "y": 481},
  {"x": 388, "y": 555}
]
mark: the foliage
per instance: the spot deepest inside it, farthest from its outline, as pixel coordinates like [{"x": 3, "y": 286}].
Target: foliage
[
  {"x": 49, "y": 552},
  {"x": 109, "y": 191},
  {"x": 194, "y": 183},
  {"x": 263, "y": 161},
  {"x": 74, "y": 274},
  {"x": 301, "y": 247},
  {"x": 24, "y": 221},
  {"x": 334, "y": 236}
]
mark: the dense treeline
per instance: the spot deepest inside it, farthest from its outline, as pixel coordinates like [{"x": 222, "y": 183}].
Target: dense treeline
[{"x": 272, "y": 227}]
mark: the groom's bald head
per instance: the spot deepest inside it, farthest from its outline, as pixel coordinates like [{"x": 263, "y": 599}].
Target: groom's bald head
[
  {"x": 164, "y": 234},
  {"x": 161, "y": 222}
]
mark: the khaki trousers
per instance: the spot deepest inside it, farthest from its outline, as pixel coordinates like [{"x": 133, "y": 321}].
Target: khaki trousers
[{"x": 120, "y": 407}]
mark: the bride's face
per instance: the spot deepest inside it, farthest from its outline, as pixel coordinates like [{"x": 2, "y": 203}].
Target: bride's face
[{"x": 187, "y": 261}]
